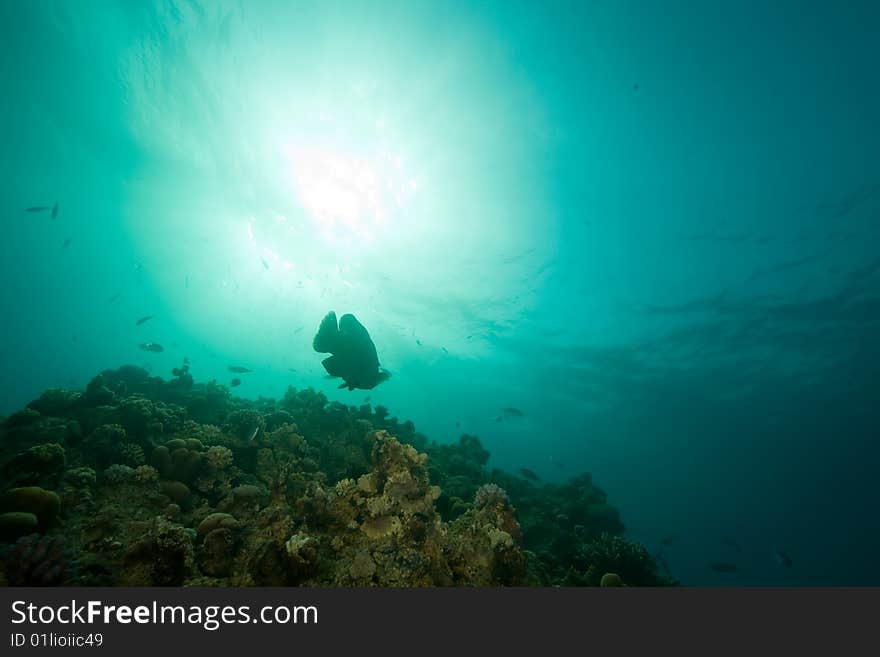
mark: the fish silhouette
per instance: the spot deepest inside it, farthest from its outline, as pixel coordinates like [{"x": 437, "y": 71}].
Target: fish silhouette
[{"x": 354, "y": 357}]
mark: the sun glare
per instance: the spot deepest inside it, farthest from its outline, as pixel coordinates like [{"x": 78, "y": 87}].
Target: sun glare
[{"x": 350, "y": 194}]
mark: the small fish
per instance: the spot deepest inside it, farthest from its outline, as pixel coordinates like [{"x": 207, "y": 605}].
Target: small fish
[
  {"x": 724, "y": 567},
  {"x": 67, "y": 242},
  {"x": 146, "y": 318},
  {"x": 254, "y": 434},
  {"x": 298, "y": 329},
  {"x": 37, "y": 208},
  {"x": 55, "y": 210},
  {"x": 265, "y": 264},
  {"x": 510, "y": 410},
  {"x": 291, "y": 369},
  {"x": 185, "y": 360},
  {"x": 528, "y": 474},
  {"x": 782, "y": 558},
  {"x": 238, "y": 369},
  {"x": 367, "y": 399},
  {"x": 151, "y": 346},
  {"x": 445, "y": 349},
  {"x": 636, "y": 86},
  {"x": 730, "y": 542},
  {"x": 668, "y": 540},
  {"x": 113, "y": 298},
  {"x": 555, "y": 461},
  {"x": 469, "y": 337},
  {"x": 499, "y": 419},
  {"x": 457, "y": 424},
  {"x": 419, "y": 342},
  {"x": 234, "y": 382}
]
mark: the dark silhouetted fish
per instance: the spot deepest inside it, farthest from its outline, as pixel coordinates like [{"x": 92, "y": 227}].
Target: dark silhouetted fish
[
  {"x": 724, "y": 567},
  {"x": 529, "y": 474},
  {"x": 37, "y": 208},
  {"x": 55, "y": 210},
  {"x": 186, "y": 360},
  {"x": 419, "y": 342},
  {"x": 782, "y": 558},
  {"x": 354, "y": 357},
  {"x": 234, "y": 382},
  {"x": 146, "y": 318},
  {"x": 730, "y": 542},
  {"x": 113, "y": 298},
  {"x": 238, "y": 369},
  {"x": 151, "y": 346},
  {"x": 366, "y": 399},
  {"x": 445, "y": 349},
  {"x": 265, "y": 264},
  {"x": 513, "y": 412},
  {"x": 67, "y": 242}
]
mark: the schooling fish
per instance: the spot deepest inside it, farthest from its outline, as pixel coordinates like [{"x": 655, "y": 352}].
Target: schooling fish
[
  {"x": 146, "y": 318},
  {"x": 151, "y": 346},
  {"x": 234, "y": 382},
  {"x": 238, "y": 369}
]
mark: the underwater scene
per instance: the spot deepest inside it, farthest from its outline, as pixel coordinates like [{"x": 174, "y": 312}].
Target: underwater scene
[{"x": 439, "y": 293}]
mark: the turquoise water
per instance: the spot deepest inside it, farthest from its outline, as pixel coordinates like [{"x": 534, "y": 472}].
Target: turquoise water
[{"x": 650, "y": 226}]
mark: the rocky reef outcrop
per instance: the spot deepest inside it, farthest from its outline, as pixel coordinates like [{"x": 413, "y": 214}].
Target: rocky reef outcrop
[{"x": 145, "y": 482}]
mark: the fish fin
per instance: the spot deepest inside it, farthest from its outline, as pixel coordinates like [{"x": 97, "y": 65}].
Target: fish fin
[
  {"x": 333, "y": 365},
  {"x": 327, "y": 338}
]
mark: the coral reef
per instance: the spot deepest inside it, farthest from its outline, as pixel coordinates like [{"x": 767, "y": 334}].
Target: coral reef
[{"x": 145, "y": 482}]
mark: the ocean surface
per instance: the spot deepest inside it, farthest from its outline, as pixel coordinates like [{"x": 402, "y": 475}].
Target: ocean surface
[{"x": 639, "y": 239}]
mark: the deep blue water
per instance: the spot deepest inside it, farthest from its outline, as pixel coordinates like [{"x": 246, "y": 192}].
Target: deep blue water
[{"x": 651, "y": 226}]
